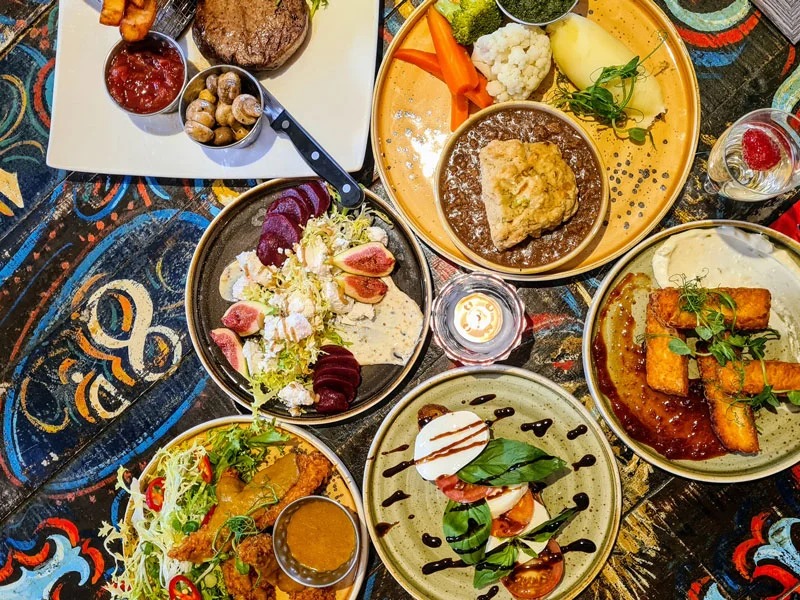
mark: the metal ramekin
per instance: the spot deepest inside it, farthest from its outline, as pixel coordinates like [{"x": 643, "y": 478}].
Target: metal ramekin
[
  {"x": 117, "y": 48},
  {"x": 543, "y": 23},
  {"x": 250, "y": 85},
  {"x": 292, "y": 567}
]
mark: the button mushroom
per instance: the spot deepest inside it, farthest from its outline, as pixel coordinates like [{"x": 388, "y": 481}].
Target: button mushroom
[
  {"x": 224, "y": 114},
  {"x": 211, "y": 83},
  {"x": 246, "y": 109},
  {"x": 228, "y": 87},
  {"x": 205, "y": 119},
  {"x": 198, "y": 131},
  {"x": 223, "y": 136},
  {"x": 198, "y": 107}
]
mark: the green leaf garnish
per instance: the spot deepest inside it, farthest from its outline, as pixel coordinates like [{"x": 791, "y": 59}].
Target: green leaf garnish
[
  {"x": 497, "y": 564},
  {"x": 467, "y": 528},
  {"x": 509, "y": 462}
]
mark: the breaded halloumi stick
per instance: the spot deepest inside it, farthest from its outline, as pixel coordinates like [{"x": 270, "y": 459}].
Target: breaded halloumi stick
[
  {"x": 748, "y": 378},
  {"x": 666, "y": 371},
  {"x": 752, "y": 307}
]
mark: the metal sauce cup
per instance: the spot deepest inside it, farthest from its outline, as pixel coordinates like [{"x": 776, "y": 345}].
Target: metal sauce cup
[
  {"x": 119, "y": 46},
  {"x": 250, "y": 85},
  {"x": 292, "y": 567}
]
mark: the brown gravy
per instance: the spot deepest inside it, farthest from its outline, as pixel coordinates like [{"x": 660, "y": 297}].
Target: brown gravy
[
  {"x": 461, "y": 187},
  {"x": 321, "y": 536}
]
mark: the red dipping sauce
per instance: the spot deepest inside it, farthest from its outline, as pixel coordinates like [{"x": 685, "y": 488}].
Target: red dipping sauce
[{"x": 145, "y": 77}]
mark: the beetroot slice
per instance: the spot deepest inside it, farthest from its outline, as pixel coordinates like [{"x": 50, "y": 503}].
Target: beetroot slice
[
  {"x": 332, "y": 350},
  {"x": 291, "y": 207},
  {"x": 346, "y": 372},
  {"x": 278, "y": 233},
  {"x": 299, "y": 196},
  {"x": 337, "y": 361},
  {"x": 317, "y": 194},
  {"x": 331, "y": 401},
  {"x": 334, "y": 383}
]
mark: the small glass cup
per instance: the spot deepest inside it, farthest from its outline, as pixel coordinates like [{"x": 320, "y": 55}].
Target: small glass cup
[
  {"x": 477, "y": 319},
  {"x": 767, "y": 174}
]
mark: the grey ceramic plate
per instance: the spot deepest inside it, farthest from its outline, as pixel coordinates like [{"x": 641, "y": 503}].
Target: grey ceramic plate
[
  {"x": 533, "y": 399},
  {"x": 236, "y": 229},
  {"x": 779, "y": 436},
  {"x": 340, "y": 487}
]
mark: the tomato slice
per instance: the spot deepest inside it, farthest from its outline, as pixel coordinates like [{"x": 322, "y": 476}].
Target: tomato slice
[
  {"x": 154, "y": 496},
  {"x": 208, "y": 516},
  {"x": 461, "y": 491},
  {"x": 206, "y": 472},
  {"x": 181, "y": 588},
  {"x": 537, "y": 577},
  {"x": 515, "y": 520}
]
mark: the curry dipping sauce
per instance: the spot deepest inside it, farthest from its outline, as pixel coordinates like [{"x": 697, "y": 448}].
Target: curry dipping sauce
[{"x": 321, "y": 536}]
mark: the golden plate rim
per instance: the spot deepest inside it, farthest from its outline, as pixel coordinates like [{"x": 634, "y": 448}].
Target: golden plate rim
[
  {"x": 532, "y": 106},
  {"x": 388, "y": 56}
]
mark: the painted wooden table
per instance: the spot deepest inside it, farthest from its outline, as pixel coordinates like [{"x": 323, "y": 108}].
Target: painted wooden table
[{"x": 96, "y": 367}]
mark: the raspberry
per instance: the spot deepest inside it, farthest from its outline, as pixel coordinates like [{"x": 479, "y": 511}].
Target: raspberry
[{"x": 759, "y": 151}]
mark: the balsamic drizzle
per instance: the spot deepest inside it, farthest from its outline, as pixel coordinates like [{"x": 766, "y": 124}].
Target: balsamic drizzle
[
  {"x": 392, "y": 471},
  {"x": 402, "y": 448},
  {"x": 383, "y": 528},
  {"x": 441, "y": 565},
  {"x": 490, "y": 594},
  {"x": 539, "y": 428},
  {"x": 578, "y": 431},
  {"x": 581, "y": 545},
  {"x": 587, "y": 461},
  {"x": 482, "y": 399},
  {"x": 501, "y": 413},
  {"x": 396, "y": 497},
  {"x": 431, "y": 541}
]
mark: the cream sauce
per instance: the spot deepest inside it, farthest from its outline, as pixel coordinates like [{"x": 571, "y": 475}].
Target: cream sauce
[
  {"x": 730, "y": 257},
  {"x": 390, "y": 336}
]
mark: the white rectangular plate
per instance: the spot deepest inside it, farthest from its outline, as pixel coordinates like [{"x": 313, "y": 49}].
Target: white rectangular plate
[{"x": 327, "y": 86}]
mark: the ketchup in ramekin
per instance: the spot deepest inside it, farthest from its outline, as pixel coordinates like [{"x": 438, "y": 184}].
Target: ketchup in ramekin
[{"x": 145, "y": 77}]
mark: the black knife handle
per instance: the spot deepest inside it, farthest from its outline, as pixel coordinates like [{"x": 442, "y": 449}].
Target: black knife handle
[{"x": 319, "y": 160}]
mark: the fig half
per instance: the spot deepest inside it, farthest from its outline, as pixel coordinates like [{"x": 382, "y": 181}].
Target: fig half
[
  {"x": 231, "y": 346},
  {"x": 246, "y": 317},
  {"x": 372, "y": 259},
  {"x": 370, "y": 290}
]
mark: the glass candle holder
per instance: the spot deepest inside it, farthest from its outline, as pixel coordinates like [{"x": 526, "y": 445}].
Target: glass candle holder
[{"x": 477, "y": 319}]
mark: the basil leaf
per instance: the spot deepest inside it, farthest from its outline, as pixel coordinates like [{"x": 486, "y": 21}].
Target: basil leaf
[
  {"x": 509, "y": 462},
  {"x": 527, "y": 550},
  {"x": 794, "y": 397},
  {"x": 497, "y": 564},
  {"x": 704, "y": 333},
  {"x": 548, "y": 529},
  {"x": 467, "y": 528},
  {"x": 679, "y": 347},
  {"x": 637, "y": 134}
]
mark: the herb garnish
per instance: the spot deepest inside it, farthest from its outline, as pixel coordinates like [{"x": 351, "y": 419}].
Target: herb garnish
[
  {"x": 723, "y": 341},
  {"x": 243, "y": 449},
  {"x": 597, "y": 102},
  {"x": 509, "y": 462}
]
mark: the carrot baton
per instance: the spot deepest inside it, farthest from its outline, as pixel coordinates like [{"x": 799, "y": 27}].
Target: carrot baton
[
  {"x": 459, "y": 73},
  {"x": 428, "y": 62},
  {"x": 459, "y": 110}
]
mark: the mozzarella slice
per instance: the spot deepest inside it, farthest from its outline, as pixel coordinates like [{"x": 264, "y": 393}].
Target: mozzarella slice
[
  {"x": 540, "y": 515},
  {"x": 449, "y": 443},
  {"x": 507, "y": 500}
]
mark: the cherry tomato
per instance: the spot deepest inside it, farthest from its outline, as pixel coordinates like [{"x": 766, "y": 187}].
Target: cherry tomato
[
  {"x": 537, "y": 577},
  {"x": 514, "y": 521},
  {"x": 206, "y": 472},
  {"x": 154, "y": 496},
  {"x": 181, "y": 588},
  {"x": 208, "y": 516},
  {"x": 461, "y": 491}
]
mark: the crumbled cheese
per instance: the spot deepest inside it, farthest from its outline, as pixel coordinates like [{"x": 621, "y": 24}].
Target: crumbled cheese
[
  {"x": 297, "y": 327},
  {"x": 294, "y": 396},
  {"x": 301, "y": 303},
  {"x": 254, "y": 356},
  {"x": 340, "y": 304},
  {"x": 377, "y": 234},
  {"x": 314, "y": 256},
  {"x": 362, "y": 311},
  {"x": 253, "y": 270}
]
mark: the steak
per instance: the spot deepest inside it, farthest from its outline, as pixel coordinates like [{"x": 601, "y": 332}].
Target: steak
[{"x": 252, "y": 34}]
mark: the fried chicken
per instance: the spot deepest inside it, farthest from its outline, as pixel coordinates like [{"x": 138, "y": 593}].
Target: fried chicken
[
  {"x": 250, "y": 586},
  {"x": 308, "y": 593},
  {"x": 314, "y": 470}
]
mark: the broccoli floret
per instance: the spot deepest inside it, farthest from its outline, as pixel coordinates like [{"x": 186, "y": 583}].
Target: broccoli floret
[{"x": 471, "y": 19}]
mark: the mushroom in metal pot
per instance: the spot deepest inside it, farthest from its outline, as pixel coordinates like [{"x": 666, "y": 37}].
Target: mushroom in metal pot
[
  {"x": 198, "y": 131},
  {"x": 239, "y": 130},
  {"x": 223, "y": 136},
  {"x": 198, "y": 107},
  {"x": 211, "y": 83},
  {"x": 224, "y": 114},
  {"x": 228, "y": 87},
  {"x": 246, "y": 109},
  {"x": 204, "y": 118}
]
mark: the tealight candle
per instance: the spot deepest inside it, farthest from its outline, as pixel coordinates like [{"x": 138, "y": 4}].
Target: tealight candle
[{"x": 477, "y": 319}]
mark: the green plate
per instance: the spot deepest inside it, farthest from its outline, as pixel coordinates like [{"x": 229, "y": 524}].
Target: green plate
[
  {"x": 533, "y": 399},
  {"x": 779, "y": 430}
]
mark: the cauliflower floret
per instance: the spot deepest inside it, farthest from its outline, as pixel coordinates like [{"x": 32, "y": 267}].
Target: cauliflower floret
[
  {"x": 294, "y": 396},
  {"x": 515, "y": 59},
  {"x": 376, "y": 234}
]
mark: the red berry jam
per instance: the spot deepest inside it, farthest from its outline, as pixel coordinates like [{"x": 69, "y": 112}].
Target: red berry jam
[
  {"x": 146, "y": 76},
  {"x": 759, "y": 151}
]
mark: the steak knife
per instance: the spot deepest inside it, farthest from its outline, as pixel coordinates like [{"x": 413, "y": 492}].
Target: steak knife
[{"x": 322, "y": 163}]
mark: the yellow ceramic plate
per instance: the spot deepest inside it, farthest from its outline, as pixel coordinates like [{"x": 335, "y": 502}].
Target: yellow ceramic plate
[
  {"x": 340, "y": 487},
  {"x": 410, "y": 127}
]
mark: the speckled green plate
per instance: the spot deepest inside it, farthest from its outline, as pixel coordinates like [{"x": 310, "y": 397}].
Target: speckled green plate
[
  {"x": 533, "y": 398},
  {"x": 779, "y": 431}
]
